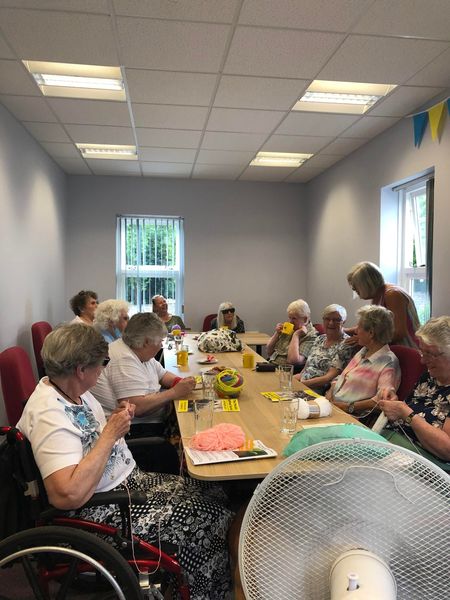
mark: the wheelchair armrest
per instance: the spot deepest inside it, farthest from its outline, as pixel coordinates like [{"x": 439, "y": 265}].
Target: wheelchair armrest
[
  {"x": 119, "y": 497},
  {"x": 145, "y": 441}
]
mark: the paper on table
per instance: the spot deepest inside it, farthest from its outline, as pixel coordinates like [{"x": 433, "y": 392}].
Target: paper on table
[{"x": 206, "y": 457}]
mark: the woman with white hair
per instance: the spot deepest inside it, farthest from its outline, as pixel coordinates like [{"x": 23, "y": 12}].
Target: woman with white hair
[
  {"x": 329, "y": 355},
  {"x": 293, "y": 348},
  {"x": 227, "y": 317},
  {"x": 111, "y": 318},
  {"x": 422, "y": 423}
]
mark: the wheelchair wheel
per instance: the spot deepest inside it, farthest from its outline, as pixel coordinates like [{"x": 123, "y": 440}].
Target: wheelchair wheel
[{"x": 49, "y": 563}]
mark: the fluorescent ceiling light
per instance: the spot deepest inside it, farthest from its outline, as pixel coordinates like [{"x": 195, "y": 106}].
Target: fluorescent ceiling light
[
  {"x": 279, "y": 159},
  {"x": 66, "y": 80},
  {"x": 342, "y": 96},
  {"x": 107, "y": 151}
]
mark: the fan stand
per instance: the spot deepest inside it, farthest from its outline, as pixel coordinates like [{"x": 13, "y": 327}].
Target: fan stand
[{"x": 361, "y": 574}]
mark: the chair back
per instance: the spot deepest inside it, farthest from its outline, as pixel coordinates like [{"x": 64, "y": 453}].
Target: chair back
[
  {"x": 18, "y": 381},
  {"x": 39, "y": 331},
  {"x": 319, "y": 327},
  {"x": 411, "y": 368},
  {"x": 207, "y": 321}
]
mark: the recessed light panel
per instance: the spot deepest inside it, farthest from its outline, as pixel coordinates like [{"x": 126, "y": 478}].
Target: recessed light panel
[
  {"x": 342, "y": 97},
  {"x": 279, "y": 159},
  {"x": 107, "y": 151},
  {"x": 64, "y": 80}
]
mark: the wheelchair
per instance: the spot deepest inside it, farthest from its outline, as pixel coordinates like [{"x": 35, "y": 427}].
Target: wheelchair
[{"x": 57, "y": 556}]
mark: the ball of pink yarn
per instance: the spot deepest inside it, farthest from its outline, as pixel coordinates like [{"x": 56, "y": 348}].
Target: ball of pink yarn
[{"x": 224, "y": 436}]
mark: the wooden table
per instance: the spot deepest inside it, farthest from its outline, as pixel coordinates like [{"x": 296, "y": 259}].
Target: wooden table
[
  {"x": 258, "y": 416},
  {"x": 254, "y": 338}
]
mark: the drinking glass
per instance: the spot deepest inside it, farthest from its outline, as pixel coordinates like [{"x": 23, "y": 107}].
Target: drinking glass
[
  {"x": 208, "y": 382},
  {"x": 204, "y": 413},
  {"x": 288, "y": 415},
  {"x": 285, "y": 378},
  {"x": 182, "y": 356}
]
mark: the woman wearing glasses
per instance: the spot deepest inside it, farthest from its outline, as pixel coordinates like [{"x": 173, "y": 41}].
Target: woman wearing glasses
[
  {"x": 329, "y": 355},
  {"x": 227, "y": 317},
  {"x": 111, "y": 318},
  {"x": 422, "y": 423}
]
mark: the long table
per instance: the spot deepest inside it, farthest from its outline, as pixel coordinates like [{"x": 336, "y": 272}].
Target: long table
[{"x": 258, "y": 416}]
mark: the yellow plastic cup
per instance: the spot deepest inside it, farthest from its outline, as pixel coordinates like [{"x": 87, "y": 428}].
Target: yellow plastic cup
[
  {"x": 248, "y": 360},
  {"x": 288, "y": 328}
]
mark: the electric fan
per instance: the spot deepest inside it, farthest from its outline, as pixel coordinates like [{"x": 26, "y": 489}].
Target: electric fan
[{"x": 348, "y": 519}]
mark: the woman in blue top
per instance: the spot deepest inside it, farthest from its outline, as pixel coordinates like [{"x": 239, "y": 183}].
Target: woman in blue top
[{"x": 111, "y": 318}]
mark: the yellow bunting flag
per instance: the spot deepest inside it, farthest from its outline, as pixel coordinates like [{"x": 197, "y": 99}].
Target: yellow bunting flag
[{"x": 435, "y": 116}]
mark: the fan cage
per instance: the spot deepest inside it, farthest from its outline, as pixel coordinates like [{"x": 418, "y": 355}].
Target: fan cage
[{"x": 336, "y": 496}]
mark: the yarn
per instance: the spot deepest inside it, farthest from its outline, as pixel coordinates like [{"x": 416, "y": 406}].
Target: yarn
[
  {"x": 229, "y": 383},
  {"x": 319, "y": 407},
  {"x": 224, "y": 436}
]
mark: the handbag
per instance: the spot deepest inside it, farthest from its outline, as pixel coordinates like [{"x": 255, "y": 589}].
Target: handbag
[{"x": 219, "y": 340}]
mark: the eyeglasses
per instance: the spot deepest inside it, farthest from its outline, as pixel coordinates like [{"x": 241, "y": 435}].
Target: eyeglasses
[
  {"x": 228, "y": 310},
  {"x": 105, "y": 361},
  {"x": 430, "y": 355},
  {"x": 330, "y": 320}
]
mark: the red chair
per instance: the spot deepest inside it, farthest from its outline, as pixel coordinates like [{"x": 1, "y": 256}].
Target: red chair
[
  {"x": 320, "y": 328},
  {"x": 411, "y": 368},
  {"x": 18, "y": 381},
  {"x": 207, "y": 321},
  {"x": 39, "y": 331}
]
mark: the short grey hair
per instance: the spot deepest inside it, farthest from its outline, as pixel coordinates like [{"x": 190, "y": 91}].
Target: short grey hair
[
  {"x": 300, "y": 308},
  {"x": 220, "y": 319},
  {"x": 331, "y": 308},
  {"x": 70, "y": 346},
  {"x": 109, "y": 311},
  {"x": 366, "y": 279},
  {"x": 377, "y": 319},
  {"x": 436, "y": 332},
  {"x": 142, "y": 327}
]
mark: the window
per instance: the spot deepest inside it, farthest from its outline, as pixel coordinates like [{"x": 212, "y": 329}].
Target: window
[
  {"x": 406, "y": 239},
  {"x": 150, "y": 260}
]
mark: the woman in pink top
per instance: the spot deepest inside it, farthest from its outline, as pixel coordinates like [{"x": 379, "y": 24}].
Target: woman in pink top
[{"x": 366, "y": 279}]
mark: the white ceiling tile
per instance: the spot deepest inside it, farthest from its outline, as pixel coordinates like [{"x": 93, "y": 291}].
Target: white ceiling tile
[
  {"x": 316, "y": 124},
  {"x": 216, "y": 171},
  {"x": 404, "y": 99},
  {"x": 217, "y": 11},
  {"x": 380, "y": 59},
  {"x": 158, "y": 169},
  {"x": 296, "y": 143},
  {"x": 29, "y": 108},
  {"x": 369, "y": 127},
  {"x": 275, "y": 52},
  {"x": 415, "y": 18},
  {"x": 328, "y": 15},
  {"x": 344, "y": 146},
  {"x": 59, "y": 150},
  {"x": 221, "y": 140},
  {"x": 171, "y": 45},
  {"x": 248, "y": 121},
  {"x": 168, "y": 138},
  {"x": 259, "y": 92},
  {"x": 169, "y": 117},
  {"x": 437, "y": 72},
  {"x": 265, "y": 174},
  {"x": 47, "y": 132},
  {"x": 224, "y": 157},
  {"x": 322, "y": 161},
  {"x": 114, "y": 167},
  {"x": 90, "y": 112},
  {"x": 95, "y": 6},
  {"x": 15, "y": 79},
  {"x": 164, "y": 87},
  {"x": 73, "y": 166},
  {"x": 304, "y": 174},
  {"x": 173, "y": 155},
  {"x": 5, "y": 51},
  {"x": 59, "y": 36},
  {"x": 96, "y": 134}
]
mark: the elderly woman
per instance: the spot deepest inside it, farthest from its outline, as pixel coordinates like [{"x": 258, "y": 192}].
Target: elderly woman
[
  {"x": 227, "y": 317},
  {"x": 111, "y": 318},
  {"x": 79, "y": 453},
  {"x": 84, "y": 304},
  {"x": 367, "y": 281},
  {"x": 422, "y": 423},
  {"x": 160, "y": 306},
  {"x": 329, "y": 355},
  {"x": 293, "y": 348},
  {"x": 372, "y": 368}
]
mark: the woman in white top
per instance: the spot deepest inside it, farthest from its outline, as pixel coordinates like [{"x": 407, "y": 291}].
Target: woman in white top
[
  {"x": 84, "y": 304},
  {"x": 79, "y": 453}
]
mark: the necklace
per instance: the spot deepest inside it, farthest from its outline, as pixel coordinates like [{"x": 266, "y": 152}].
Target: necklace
[{"x": 64, "y": 393}]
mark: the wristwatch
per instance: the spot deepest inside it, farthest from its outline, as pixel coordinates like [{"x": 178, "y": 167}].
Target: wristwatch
[
  {"x": 351, "y": 408},
  {"x": 408, "y": 420}
]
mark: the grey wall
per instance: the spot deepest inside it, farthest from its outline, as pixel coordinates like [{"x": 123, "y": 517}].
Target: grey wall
[
  {"x": 244, "y": 241},
  {"x": 32, "y": 215},
  {"x": 344, "y": 213}
]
